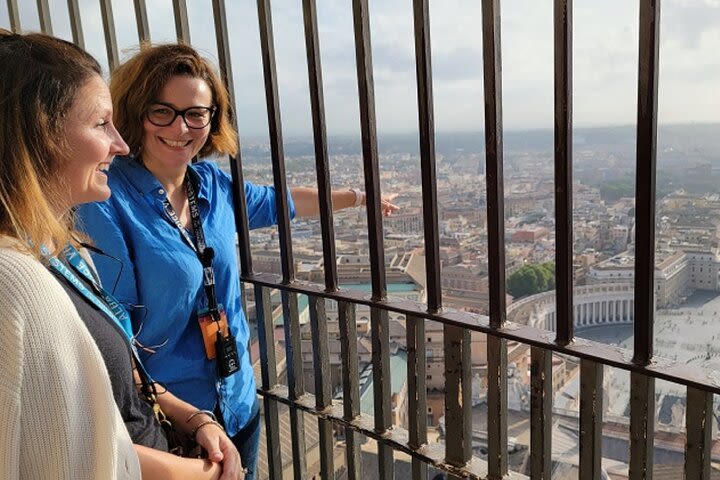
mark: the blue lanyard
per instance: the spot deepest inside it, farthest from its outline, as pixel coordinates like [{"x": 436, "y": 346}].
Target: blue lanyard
[{"x": 110, "y": 307}]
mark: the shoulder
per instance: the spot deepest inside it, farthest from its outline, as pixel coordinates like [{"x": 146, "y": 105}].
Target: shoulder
[{"x": 26, "y": 285}]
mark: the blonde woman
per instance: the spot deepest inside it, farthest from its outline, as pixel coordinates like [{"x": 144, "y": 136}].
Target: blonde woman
[{"x": 63, "y": 416}]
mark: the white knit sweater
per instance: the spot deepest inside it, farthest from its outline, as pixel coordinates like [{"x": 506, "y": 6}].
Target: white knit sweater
[{"x": 58, "y": 419}]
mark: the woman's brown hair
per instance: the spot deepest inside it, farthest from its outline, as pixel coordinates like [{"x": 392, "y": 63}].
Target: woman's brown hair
[
  {"x": 137, "y": 83},
  {"x": 39, "y": 81}
]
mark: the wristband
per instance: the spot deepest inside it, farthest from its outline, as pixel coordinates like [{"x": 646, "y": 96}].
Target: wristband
[{"x": 359, "y": 197}]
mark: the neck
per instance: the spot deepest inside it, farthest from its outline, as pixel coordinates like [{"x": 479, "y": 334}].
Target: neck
[{"x": 170, "y": 179}]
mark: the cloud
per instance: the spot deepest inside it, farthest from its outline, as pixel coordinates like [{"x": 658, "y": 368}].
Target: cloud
[{"x": 604, "y": 75}]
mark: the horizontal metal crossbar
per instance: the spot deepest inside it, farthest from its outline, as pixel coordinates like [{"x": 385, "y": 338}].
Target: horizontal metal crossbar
[
  {"x": 691, "y": 376},
  {"x": 396, "y": 437}
]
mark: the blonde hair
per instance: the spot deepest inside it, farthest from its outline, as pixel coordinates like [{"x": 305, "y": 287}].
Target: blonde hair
[
  {"x": 137, "y": 83},
  {"x": 39, "y": 81}
]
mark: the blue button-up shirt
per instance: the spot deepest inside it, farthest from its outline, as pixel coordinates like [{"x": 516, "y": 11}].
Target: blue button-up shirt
[{"x": 160, "y": 274}]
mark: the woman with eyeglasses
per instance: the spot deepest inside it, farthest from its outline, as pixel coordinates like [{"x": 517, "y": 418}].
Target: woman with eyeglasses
[{"x": 172, "y": 225}]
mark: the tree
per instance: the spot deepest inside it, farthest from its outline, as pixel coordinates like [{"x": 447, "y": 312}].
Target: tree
[{"x": 532, "y": 279}]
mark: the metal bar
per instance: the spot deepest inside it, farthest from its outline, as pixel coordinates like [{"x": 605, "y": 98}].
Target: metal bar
[
  {"x": 14, "y": 16},
  {"x": 109, "y": 31},
  {"x": 642, "y": 426},
  {"x": 541, "y": 395},
  {"x": 563, "y": 172},
  {"x": 272, "y": 98},
  {"x": 76, "y": 23},
  {"x": 680, "y": 373},
  {"x": 312, "y": 48},
  {"x": 645, "y": 180},
  {"x": 44, "y": 17},
  {"x": 323, "y": 384},
  {"x": 458, "y": 396},
  {"x": 497, "y": 408},
  {"x": 141, "y": 20},
  {"x": 366, "y": 96},
  {"x": 699, "y": 418},
  {"x": 295, "y": 379},
  {"x": 591, "y": 411},
  {"x": 395, "y": 438},
  {"x": 182, "y": 26},
  {"x": 423, "y": 69},
  {"x": 268, "y": 367},
  {"x": 492, "y": 68},
  {"x": 239, "y": 201},
  {"x": 351, "y": 385},
  {"x": 497, "y": 348},
  {"x": 417, "y": 390},
  {"x": 380, "y": 338}
]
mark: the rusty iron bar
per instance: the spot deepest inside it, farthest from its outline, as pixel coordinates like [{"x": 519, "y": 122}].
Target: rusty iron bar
[
  {"x": 378, "y": 317},
  {"x": 14, "y": 16},
  {"x": 458, "y": 396},
  {"x": 268, "y": 368},
  {"x": 680, "y": 373},
  {"x": 351, "y": 385},
  {"x": 699, "y": 418},
  {"x": 417, "y": 390},
  {"x": 76, "y": 23},
  {"x": 647, "y": 109},
  {"x": 591, "y": 410},
  {"x": 109, "y": 32},
  {"x": 141, "y": 20},
  {"x": 322, "y": 167},
  {"x": 642, "y": 426},
  {"x": 497, "y": 348},
  {"x": 380, "y": 339},
  {"x": 295, "y": 380},
  {"x": 239, "y": 201},
  {"x": 423, "y": 70},
  {"x": 366, "y": 97},
  {"x": 541, "y": 396},
  {"x": 272, "y": 98},
  {"x": 563, "y": 172},
  {"x": 44, "y": 17},
  {"x": 323, "y": 385},
  {"x": 182, "y": 25}
]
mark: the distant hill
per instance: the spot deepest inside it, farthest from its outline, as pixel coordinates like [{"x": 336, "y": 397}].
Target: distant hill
[{"x": 703, "y": 139}]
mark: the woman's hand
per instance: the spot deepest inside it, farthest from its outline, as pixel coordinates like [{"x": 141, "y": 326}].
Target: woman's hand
[
  {"x": 220, "y": 450},
  {"x": 386, "y": 206}
]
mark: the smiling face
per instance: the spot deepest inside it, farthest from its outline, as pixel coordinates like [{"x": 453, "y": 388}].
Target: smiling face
[
  {"x": 169, "y": 149},
  {"x": 92, "y": 143}
]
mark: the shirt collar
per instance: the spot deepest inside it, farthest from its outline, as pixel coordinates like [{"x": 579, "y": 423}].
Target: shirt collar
[{"x": 146, "y": 183}]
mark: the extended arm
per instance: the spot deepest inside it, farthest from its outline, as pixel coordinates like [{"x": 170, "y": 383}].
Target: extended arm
[{"x": 307, "y": 205}]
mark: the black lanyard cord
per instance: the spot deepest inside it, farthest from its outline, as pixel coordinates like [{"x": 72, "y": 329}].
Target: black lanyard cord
[{"x": 205, "y": 254}]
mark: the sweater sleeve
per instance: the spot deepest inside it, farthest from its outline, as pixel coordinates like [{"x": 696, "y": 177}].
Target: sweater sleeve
[{"x": 11, "y": 373}]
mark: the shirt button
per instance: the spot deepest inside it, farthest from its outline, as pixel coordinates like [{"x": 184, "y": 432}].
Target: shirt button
[{"x": 161, "y": 191}]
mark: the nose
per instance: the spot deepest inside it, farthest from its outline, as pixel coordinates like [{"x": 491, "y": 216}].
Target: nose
[
  {"x": 118, "y": 146},
  {"x": 179, "y": 124}
]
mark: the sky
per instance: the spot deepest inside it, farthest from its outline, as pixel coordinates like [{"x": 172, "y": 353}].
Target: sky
[{"x": 605, "y": 54}]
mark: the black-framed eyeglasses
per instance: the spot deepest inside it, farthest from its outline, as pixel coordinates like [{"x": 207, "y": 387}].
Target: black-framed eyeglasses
[{"x": 161, "y": 115}]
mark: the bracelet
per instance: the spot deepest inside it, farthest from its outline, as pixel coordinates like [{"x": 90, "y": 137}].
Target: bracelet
[
  {"x": 359, "y": 197},
  {"x": 200, "y": 412},
  {"x": 207, "y": 422}
]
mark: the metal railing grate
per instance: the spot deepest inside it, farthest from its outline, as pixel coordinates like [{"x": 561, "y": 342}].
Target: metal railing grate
[{"x": 345, "y": 418}]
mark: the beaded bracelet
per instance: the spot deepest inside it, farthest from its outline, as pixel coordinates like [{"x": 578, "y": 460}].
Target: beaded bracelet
[{"x": 208, "y": 422}]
